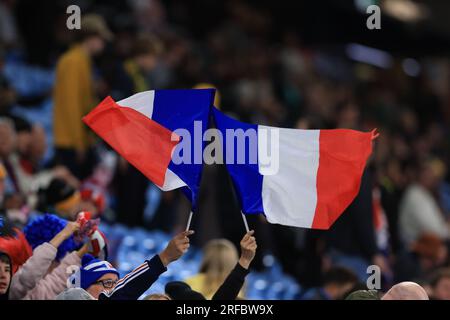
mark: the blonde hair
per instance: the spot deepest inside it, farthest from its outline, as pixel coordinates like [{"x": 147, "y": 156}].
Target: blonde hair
[{"x": 219, "y": 258}]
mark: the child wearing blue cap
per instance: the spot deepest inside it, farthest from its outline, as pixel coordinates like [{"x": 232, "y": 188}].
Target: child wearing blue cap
[{"x": 101, "y": 281}]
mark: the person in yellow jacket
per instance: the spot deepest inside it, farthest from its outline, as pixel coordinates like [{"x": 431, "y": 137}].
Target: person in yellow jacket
[
  {"x": 74, "y": 96},
  {"x": 219, "y": 258}
]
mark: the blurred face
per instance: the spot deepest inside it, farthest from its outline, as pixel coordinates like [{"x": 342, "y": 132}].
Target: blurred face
[
  {"x": 86, "y": 205},
  {"x": 95, "y": 45},
  {"x": 38, "y": 145},
  {"x": 23, "y": 141},
  {"x": 146, "y": 62},
  {"x": 105, "y": 283},
  {"x": 349, "y": 116},
  {"x": 5, "y": 276},
  {"x": 69, "y": 208},
  {"x": 428, "y": 178},
  {"x": 7, "y": 140},
  {"x": 442, "y": 289}
]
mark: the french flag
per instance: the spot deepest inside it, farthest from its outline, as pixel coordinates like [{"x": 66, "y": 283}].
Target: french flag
[
  {"x": 318, "y": 172},
  {"x": 141, "y": 128}
]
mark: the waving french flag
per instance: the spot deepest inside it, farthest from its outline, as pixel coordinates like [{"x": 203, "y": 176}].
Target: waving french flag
[
  {"x": 142, "y": 128},
  {"x": 308, "y": 178}
]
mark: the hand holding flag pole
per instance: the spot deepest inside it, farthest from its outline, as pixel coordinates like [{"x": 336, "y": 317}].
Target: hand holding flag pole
[{"x": 245, "y": 222}]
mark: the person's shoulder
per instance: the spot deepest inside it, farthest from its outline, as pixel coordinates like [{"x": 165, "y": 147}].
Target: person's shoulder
[
  {"x": 195, "y": 280},
  {"x": 417, "y": 193},
  {"x": 73, "y": 55}
]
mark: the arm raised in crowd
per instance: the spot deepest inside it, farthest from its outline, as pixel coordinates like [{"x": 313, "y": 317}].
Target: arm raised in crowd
[
  {"x": 134, "y": 284},
  {"x": 230, "y": 288},
  {"x": 36, "y": 267},
  {"x": 56, "y": 281}
]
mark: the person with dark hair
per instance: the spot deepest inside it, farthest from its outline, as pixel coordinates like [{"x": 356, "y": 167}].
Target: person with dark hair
[
  {"x": 74, "y": 96},
  {"x": 425, "y": 254},
  {"x": 61, "y": 198},
  {"x": 336, "y": 283},
  {"x": 5, "y": 275}
]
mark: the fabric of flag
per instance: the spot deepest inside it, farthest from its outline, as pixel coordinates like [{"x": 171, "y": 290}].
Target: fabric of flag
[
  {"x": 319, "y": 172},
  {"x": 142, "y": 127}
]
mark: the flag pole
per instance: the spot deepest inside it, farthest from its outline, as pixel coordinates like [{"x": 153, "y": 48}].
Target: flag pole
[
  {"x": 245, "y": 222},
  {"x": 189, "y": 220}
]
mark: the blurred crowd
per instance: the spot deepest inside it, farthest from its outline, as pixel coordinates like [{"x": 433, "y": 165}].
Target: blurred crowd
[{"x": 50, "y": 162}]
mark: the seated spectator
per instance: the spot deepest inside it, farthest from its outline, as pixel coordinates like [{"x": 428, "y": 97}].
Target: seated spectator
[
  {"x": 419, "y": 210},
  {"x": 14, "y": 244},
  {"x": 100, "y": 279},
  {"x": 157, "y": 296},
  {"x": 440, "y": 284},
  {"x": 426, "y": 254},
  {"x": 406, "y": 291},
  {"x": 96, "y": 276},
  {"x": 231, "y": 286},
  {"x": 36, "y": 267},
  {"x": 337, "y": 281},
  {"x": 219, "y": 258},
  {"x": 61, "y": 198},
  {"x": 5, "y": 275},
  {"x": 400, "y": 291},
  {"x": 74, "y": 294}
]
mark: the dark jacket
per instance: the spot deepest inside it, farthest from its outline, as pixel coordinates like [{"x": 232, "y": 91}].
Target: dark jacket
[
  {"x": 134, "y": 284},
  {"x": 230, "y": 288}
]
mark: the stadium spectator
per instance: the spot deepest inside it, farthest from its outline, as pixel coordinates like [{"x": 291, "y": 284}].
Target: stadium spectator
[
  {"x": 406, "y": 291},
  {"x": 420, "y": 210},
  {"x": 35, "y": 268},
  {"x": 336, "y": 283},
  {"x": 101, "y": 280},
  {"x": 61, "y": 198},
  {"x": 231, "y": 286},
  {"x": 440, "y": 284},
  {"x": 130, "y": 77},
  {"x": 5, "y": 275},
  {"x": 74, "y": 96},
  {"x": 157, "y": 296},
  {"x": 219, "y": 258},
  {"x": 425, "y": 255}
]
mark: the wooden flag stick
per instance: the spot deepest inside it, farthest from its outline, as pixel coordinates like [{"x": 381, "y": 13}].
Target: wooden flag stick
[
  {"x": 245, "y": 222},
  {"x": 189, "y": 221}
]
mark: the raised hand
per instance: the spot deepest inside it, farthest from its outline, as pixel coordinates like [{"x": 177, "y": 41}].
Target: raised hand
[
  {"x": 176, "y": 248},
  {"x": 248, "y": 249}
]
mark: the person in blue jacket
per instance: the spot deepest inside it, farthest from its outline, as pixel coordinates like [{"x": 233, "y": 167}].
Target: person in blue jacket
[{"x": 101, "y": 281}]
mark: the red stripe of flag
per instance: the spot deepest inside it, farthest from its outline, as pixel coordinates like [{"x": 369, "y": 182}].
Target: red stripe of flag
[
  {"x": 141, "y": 141},
  {"x": 342, "y": 158}
]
